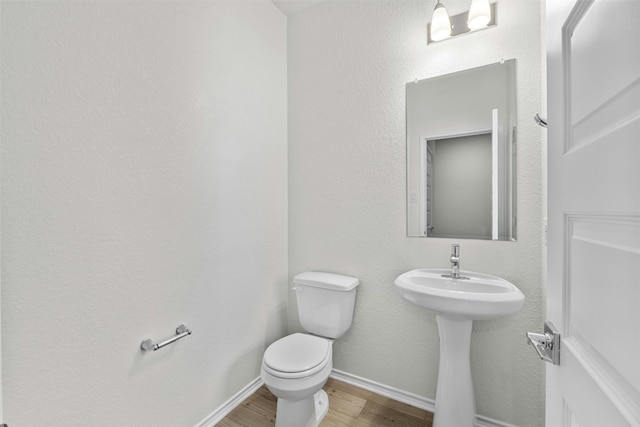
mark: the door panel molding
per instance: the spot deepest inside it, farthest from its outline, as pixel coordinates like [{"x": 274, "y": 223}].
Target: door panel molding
[
  {"x": 619, "y": 112},
  {"x": 584, "y": 386},
  {"x": 600, "y": 290}
]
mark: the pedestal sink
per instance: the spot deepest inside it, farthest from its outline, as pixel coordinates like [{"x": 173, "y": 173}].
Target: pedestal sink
[{"x": 456, "y": 304}]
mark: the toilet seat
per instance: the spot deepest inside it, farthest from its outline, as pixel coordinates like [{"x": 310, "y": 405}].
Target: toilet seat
[{"x": 297, "y": 356}]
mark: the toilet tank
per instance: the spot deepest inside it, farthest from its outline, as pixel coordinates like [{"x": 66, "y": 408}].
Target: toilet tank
[{"x": 325, "y": 302}]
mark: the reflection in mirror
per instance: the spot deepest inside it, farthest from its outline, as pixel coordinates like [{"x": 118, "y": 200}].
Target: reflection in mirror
[{"x": 461, "y": 154}]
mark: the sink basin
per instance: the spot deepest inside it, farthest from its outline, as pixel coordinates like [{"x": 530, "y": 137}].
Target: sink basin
[{"x": 479, "y": 297}]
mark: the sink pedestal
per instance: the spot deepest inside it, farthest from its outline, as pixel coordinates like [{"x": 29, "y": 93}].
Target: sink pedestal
[{"x": 455, "y": 403}]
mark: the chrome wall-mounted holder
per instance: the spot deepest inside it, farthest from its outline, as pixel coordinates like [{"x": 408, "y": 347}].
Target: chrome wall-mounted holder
[
  {"x": 540, "y": 121},
  {"x": 547, "y": 345},
  {"x": 181, "y": 332}
]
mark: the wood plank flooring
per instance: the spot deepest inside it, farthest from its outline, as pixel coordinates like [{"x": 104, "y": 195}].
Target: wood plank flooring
[{"x": 349, "y": 406}]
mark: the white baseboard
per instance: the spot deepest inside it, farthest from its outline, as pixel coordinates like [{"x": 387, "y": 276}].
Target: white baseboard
[
  {"x": 482, "y": 421},
  {"x": 405, "y": 396},
  {"x": 218, "y": 415},
  {"x": 384, "y": 390}
]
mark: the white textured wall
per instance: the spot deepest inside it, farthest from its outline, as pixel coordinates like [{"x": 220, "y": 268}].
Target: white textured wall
[
  {"x": 349, "y": 62},
  {"x": 144, "y": 172}
]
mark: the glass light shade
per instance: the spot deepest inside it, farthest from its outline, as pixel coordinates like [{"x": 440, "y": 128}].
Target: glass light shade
[
  {"x": 440, "y": 24},
  {"x": 479, "y": 14}
]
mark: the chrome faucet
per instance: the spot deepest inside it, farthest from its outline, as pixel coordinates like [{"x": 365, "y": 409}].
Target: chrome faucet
[{"x": 455, "y": 261}]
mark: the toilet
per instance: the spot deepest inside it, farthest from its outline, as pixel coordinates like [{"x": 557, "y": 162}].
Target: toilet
[{"x": 295, "y": 367}]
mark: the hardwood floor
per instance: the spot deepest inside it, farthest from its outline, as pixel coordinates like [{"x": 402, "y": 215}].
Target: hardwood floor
[{"x": 349, "y": 406}]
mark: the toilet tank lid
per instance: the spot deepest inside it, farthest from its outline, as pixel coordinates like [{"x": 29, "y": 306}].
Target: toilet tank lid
[{"x": 332, "y": 281}]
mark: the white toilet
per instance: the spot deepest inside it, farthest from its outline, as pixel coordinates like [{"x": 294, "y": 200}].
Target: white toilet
[{"x": 295, "y": 367}]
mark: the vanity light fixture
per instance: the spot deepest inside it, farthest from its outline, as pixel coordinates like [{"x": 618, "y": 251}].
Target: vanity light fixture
[
  {"x": 440, "y": 24},
  {"x": 481, "y": 15}
]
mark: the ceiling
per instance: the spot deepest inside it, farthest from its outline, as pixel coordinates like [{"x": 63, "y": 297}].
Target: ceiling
[{"x": 289, "y": 7}]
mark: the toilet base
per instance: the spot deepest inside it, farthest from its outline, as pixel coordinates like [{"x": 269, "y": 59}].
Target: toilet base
[{"x": 302, "y": 413}]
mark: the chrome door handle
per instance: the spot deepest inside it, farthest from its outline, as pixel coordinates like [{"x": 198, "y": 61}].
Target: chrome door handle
[
  {"x": 539, "y": 343},
  {"x": 547, "y": 345}
]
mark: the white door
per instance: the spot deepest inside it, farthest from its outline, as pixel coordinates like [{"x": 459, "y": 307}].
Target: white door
[
  {"x": 429, "y": 208},
  {"x": 1, "y": 412},
  {"x": 594, "y": 211}
]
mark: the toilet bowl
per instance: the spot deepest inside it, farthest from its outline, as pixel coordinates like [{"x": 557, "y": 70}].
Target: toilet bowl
[{"x": 296, "y": 367}]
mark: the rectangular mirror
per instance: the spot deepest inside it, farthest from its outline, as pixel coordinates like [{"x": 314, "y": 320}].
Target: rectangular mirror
[{"x": 461, "y": 154}]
